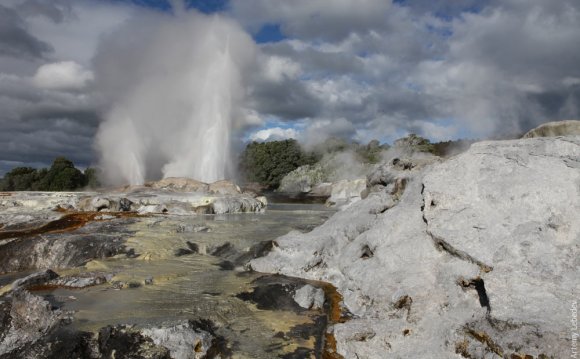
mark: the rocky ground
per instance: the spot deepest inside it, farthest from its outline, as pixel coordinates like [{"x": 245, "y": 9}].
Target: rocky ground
[
  {"x": 476, "y": 256},
  {"x": 63, "y": 241}
]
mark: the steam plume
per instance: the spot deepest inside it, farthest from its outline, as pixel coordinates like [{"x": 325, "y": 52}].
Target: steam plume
[{"x": 175, "y": 83}]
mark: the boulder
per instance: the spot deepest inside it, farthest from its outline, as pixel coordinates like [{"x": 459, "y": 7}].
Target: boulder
[
  {"x": 25, "y": 319},
  {"x": 309, "y": 297},
  {"x": 346, "y": 192},
  {"x": 185, "y": 340},
  {"x": 303, "y": 179},
  {"x": 476, "y": 258},
  {"x": 557, "y": 128}
]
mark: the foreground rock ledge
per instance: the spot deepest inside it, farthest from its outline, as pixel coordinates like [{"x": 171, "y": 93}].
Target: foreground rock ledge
[
  {"x": 478, "y": 258},
  {"x": 179, "y": 196}
]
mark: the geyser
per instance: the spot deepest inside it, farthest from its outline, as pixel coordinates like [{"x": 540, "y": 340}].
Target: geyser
[{"x": 175, "y": 84}]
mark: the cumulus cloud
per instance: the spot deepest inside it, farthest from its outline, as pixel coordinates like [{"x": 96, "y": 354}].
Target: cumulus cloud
[
  {"x": 274, "y": 134},
  {"x": 364, "y": 70},
  {"x": 494, "y": 67},
  {"x": 47, "y": 109},
  {"x": 64, "y": 75}
]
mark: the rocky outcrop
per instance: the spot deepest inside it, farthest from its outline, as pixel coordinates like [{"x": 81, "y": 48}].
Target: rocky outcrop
[
  {"x": 64, "y": 250},
  {"x": 304, "y": 178},
  {"x": 553, "y": 129},
  {"x": 476, "y": 257},
  {"x": 180, "y": 196},
  {"x": 25, "y": 319},
  {"x": 309, "y": 297},
  {"x": 346, "y": 192},
  {"x": 31, "y": 328}
]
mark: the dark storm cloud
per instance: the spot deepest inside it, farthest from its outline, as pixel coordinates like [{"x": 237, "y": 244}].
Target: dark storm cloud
[
  {"x": 55, "y": 10},
  {"x": 15, "y": 40},
  {"x": 58, "y": 112}
]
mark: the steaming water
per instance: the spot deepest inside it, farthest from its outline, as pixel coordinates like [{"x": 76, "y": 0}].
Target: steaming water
[
  {"x": 175, "y": 85},
  {"x": 192, "y": 286}
]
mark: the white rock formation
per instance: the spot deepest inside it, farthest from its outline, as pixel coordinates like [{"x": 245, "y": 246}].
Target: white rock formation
[
  {"x": 180, "y": 196},
  {"x": 346, "y": 192},
  {"x": 477, "y": 258},
  {"x": 309, "y": 297},
  {"x": 556, "y": 128}
]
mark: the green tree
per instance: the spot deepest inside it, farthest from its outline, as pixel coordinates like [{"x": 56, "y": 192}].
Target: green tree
[
  {"x": 18, "y": 179},
  {"x": 268, "y": 162},
  {"x": 62, "y": 176}
]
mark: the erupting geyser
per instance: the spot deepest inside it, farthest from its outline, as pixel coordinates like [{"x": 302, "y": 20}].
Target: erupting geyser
[{"x": 175, "y": 84}]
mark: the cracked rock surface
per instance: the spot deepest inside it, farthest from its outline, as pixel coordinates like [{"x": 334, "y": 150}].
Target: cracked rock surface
[{"x": 476, "y": 258}]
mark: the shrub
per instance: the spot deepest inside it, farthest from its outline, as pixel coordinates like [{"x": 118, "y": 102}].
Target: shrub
[{"x": 268, "y": 162}]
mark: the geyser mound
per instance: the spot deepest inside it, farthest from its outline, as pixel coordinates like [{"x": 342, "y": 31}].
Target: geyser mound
[{"x": 175, "y": 84}]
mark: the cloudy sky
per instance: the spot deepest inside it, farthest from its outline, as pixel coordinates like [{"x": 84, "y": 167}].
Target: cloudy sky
[{"x": 361, "y": 69}]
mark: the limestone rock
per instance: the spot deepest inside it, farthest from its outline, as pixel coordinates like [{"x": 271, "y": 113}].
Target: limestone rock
[
  {"x": 346, "y": 192},
  {"x": 309, "y": 297},
  {"x": 475, "y": 257},
  {"x": 224, "y": 187},
  {"x": 181, "y": 184},
  {"x": 184, "y": 340},
  {"x": 25, "y": 319},
  {"x": 557, "y": 128},
  {"x": 303, "y": 179}
]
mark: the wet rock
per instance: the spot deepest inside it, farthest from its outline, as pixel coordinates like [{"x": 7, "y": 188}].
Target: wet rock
[
  {"x": 191, "y": 228},
  {"x": 225, "y": 250},
  {"x": 61, "y": 250},
  {"x": 192, "y": 248},
  {"x": 186, "y": 340},
  {"x": 34, "y": 279},
  {"x": 127, "y": 342},
  {"x": 273, "y": 293},
  {"x": 25, "y": 319},
  {"x": 227, "y": 265},
  {"x": 82, "y": 280},
  {"x": 257, "y": 250},
  {"x": 183, "y": 252},
  {"x": 309, "y": 297},
  {"x": 238, "y": 204}
]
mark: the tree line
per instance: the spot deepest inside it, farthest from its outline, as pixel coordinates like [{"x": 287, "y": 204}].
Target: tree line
[{"x": 61, "y": 176}]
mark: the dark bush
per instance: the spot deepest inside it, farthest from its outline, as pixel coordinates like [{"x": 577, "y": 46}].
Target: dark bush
[
  {"x": 268, "y": 162},
  {"x": 61, "y": 176}
]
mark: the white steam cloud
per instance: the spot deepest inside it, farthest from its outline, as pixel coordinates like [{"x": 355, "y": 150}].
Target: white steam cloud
[{"x": 176, "y": 85}]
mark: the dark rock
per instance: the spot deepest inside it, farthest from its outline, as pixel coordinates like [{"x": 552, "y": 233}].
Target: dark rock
[
  {"x": 64, "y": 250},
  {"x": 34, "y": 279},
  {"x": 25, "y": 319},
  {"x": 194, "y": 247},
  {"x": 82, "y": 280},
  {"x": 225, "y": 250},
  {"x": 227, "y": 265},
  {"x": 257, "y": 250},
  {"x": 126, "y": 342},
  {"x": 272, "y": 295},
  {"x": 125, "y": 205},
  {"x": 183, "y": 252}
]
